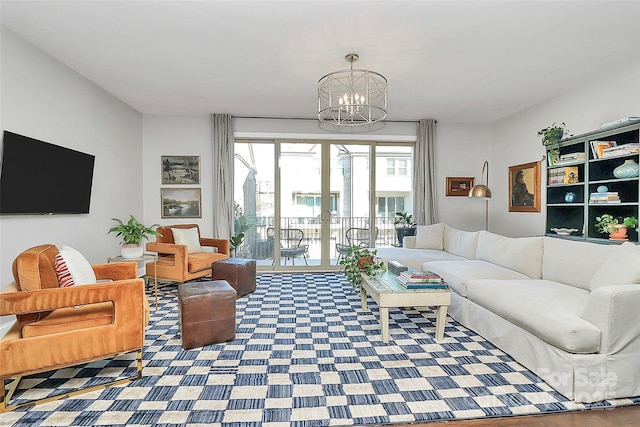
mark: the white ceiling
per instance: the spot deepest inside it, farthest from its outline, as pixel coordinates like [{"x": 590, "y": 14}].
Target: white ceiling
[{"x": 455, "y": 61}]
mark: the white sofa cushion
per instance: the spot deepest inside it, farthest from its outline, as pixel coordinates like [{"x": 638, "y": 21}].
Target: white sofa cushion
[
  {"x": 522, "y": 254},
  {"x": 585, "y": 258},
  {"x": 430, "y": 236},
  {"x": 622, "y": 267},
  {"x": 549, "y": 310},
  {"x": 414, "y": 258},
  {"x": 459, "y": 273},
  {"x": 459, "y": 242}
]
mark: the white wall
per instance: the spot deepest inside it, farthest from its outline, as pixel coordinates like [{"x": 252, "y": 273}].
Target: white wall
[
  {"x": 461, "y": 149},
  {"x": 44, "y": 99},
  {"x": 515, "y": 139}
]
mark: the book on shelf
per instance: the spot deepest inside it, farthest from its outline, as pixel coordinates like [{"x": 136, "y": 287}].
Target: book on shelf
[
  {"x": 621, "y": 150},
  {"x": 604, "y": 197},
  {"x": 598, "y": 147},
  {"x": 553, "y": 157},
  {"x": 572, "y": 157},
  {"x": 571, "y": 175}
]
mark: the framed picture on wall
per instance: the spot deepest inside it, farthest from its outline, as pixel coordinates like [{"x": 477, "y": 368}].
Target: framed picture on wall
[
  {"x": 524, "y": 187},
  {"x": 457, "y": 186},
  {"x": 180, "y": 170},
  {"x": 181, "y": 202}
]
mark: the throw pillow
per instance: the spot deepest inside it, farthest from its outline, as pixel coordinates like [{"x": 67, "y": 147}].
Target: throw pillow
[
  {"x": 78, "y": 267},
  {"x": 188, "y": 237},
  {"x": 62, "y": 271},
  {"x": 430, "y": 236},
  {"x": 622, "y": 267}
]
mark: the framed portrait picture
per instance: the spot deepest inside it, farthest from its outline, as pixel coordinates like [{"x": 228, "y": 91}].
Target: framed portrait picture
[
  {"x": 457, "y": 186},
  {"x": 524, "y": 187},
  {"x": 180, "y": 170},
  {"x": 181, "y": 202}
]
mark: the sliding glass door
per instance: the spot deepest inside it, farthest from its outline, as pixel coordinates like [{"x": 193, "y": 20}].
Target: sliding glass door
[{"x": 301, "y": 204}]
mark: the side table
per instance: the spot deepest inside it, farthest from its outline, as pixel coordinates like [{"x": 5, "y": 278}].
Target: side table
[{"x": 143, "y": 258}]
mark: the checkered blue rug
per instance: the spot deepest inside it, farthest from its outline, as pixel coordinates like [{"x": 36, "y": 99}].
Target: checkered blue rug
[{"x": 305, "y": 354}]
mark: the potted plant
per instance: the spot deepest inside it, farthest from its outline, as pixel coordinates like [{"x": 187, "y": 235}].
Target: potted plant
[
  {"x": 132, "y": 233},
  {"x": 359, "y": 260},
  {"x": 615, "y": 227},
  {"x": 405, "y": 226},
  {"x": 553, "y": 134}
]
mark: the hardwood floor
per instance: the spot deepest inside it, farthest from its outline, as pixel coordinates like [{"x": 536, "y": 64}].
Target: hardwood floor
[{"x": 618, "y": 417}]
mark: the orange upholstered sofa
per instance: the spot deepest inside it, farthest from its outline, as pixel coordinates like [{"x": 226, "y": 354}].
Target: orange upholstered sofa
[
  {"x": 57, "y": 327},
  {"x": 183, "y": 262}
]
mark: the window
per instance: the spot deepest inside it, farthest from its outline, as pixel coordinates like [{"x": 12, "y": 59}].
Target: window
[
  {"x": 388, "y": 206},
  {"x": 397, "y": 167}
]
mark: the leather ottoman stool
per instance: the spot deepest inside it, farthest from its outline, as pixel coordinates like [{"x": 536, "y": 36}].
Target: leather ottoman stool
[
  {"x": 239, "y": 272},
  {"x": 206, "y": 313}
]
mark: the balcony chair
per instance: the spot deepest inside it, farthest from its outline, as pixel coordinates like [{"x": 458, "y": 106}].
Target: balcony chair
[
  {"x": 355, "y": 237},
  {"x": 59, "y": 327},
  {"x": 183, "y": 254},
  {"x": 291, "y": 246}
]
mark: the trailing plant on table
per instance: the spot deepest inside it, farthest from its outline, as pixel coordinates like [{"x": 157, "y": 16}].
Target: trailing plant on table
[{"x": 360, "y": 260}]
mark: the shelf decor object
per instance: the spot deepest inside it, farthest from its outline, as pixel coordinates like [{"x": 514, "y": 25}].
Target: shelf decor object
[
  {"x": 629, "y": 169},
  {"x": 352, "y": 97}
]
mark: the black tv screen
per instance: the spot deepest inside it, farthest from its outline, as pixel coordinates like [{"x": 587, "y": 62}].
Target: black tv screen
[{"x": 42, "y": 178}]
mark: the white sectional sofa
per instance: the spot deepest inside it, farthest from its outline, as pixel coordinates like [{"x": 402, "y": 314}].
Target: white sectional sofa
[{"x": 567, "y": 310}]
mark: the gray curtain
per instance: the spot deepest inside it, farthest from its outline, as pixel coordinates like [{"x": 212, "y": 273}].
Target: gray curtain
[
  {"x": 425, "y": 210},
  {"x": 222, "y": 143}
]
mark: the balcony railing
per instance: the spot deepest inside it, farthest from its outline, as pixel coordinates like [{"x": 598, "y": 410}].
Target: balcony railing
[{"x": 260, "y": 247}]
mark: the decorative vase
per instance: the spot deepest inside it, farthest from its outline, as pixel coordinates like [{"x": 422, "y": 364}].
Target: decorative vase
[
  {"x": 629, "y": 169},
  {"x": 569, "y": 197},
  {"x": 131, "y": 251}
]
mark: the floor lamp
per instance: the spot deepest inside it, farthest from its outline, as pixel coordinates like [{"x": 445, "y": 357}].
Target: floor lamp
[{"x": 483, "y": 192}]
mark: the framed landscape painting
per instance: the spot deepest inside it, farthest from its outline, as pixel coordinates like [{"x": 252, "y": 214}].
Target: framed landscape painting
[
  {"x": 457, "y": 186},
  {"x": 524, "y": 187},
  {"x": 181, "y": 202},
  {"x": 180, "y": 170}
]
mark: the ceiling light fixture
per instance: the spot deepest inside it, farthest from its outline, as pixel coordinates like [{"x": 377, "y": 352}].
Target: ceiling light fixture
[{"x": 352, "y": 97}]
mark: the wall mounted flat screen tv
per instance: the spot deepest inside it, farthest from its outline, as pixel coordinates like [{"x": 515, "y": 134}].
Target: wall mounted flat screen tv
[{"x": 42, "y": 178}]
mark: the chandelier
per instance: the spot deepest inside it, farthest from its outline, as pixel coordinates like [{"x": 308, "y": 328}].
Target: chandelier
[{"x": 352, "y": 97}]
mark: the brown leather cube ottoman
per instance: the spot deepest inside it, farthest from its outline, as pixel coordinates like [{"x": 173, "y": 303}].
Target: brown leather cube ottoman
[
  {"x": 239, "y": 272},
  {"x": 206, "y": 313}
]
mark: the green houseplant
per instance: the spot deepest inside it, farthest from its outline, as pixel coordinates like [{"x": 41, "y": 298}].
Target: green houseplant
[
  {"x": 405, "y": 226},
  {"x": 615, "y": 227},
  {"x": 360, "y": 260},
  {"x": 551, "y": 135},
  {"x": 132, "y": 233}
]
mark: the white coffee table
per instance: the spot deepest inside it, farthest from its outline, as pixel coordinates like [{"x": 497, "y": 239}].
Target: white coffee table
[{"x": 387, "y": 292}]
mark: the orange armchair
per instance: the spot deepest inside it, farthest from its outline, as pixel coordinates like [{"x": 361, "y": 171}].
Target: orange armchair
[
  {"x": 60, "y": 327},
  {"x": 180, "y": 262}
]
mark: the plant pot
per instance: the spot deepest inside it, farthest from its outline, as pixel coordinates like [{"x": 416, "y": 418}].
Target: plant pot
[
  {"x": 618, "y": 234},
  {"x": 401, "y": 232},
  {"x": 362, "y": 262},
  {"x": 131, "y": 251}
]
